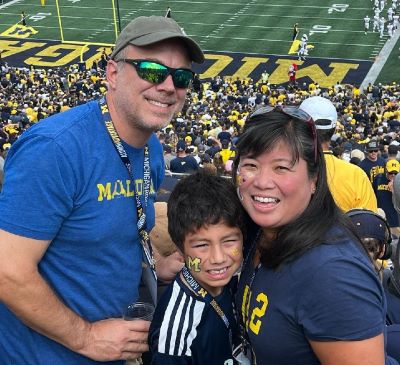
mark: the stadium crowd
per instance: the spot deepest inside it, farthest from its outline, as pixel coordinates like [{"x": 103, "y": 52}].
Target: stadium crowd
[
  {"x": 204, "y": 134},
  {"x": 51, "y": 219},
  {"x": 213, "y": 116}
]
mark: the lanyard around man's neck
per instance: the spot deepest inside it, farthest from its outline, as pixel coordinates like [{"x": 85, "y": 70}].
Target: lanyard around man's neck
[{"x": 141, "y": 215}]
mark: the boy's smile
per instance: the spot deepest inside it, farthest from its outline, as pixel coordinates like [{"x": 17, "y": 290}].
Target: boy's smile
[{"x": 213, "y": 254}]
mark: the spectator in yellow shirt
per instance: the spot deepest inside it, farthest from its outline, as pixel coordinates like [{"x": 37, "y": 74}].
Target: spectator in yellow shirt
[{"x": 348, "y": 183}]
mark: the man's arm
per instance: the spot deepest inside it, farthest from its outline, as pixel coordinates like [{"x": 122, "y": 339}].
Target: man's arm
[{"x": 24, "y": 291}]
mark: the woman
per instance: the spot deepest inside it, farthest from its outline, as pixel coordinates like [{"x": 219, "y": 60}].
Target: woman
[{"x": 308, "y": 293}]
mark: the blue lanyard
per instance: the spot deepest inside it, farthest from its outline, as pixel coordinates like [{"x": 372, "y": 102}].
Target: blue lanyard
[
  {"x": 141, "y": 222},
  {"x": 243, "y": 333}
]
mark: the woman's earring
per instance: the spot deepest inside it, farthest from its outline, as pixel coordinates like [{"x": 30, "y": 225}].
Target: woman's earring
[
  {"x": 238, "y": 194},
  {"x": 313, "y": 189}
]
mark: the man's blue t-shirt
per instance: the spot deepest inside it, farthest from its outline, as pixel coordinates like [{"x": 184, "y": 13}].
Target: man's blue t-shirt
[
  {"x": 185, "y": 164},
  {"x": 65, "y": 182},
  {"x": 384, "y": 198},
  {"x": 373, "y": 168}
]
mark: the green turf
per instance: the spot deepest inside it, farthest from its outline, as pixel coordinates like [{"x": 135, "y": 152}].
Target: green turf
[{"x": 246, "y": 26}]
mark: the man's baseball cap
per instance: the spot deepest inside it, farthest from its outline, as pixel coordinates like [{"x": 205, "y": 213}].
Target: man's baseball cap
[
  {"x": 393, "y": 166},
  {"x": 372, "y": 145},
  {"x": 321, "y": 110},
  {"x": 181, "y": 146},
  {"x": 146, "y": 30}
]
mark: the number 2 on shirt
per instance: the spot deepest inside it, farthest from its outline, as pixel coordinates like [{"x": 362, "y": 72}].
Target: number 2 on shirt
[{"x": 253, "y": 323}]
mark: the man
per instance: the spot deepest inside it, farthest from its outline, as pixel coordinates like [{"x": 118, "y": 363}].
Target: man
[
  {"x": 227, "y": 151},
  {"x": 366, "y": 24},
  {"x": 295, "y": 31},
  {"x": 395, "y": 21},
  {"x": 302, "y": 51},
  {"x": 375, "y": 24},
  {"x": 390, "y": 30},
  {"x": 78, "y": 201},
  {"x": 383, "y": 187},
  {"x": 348, "y": 184},
  {"x": 381, "y": 26},
  {"x": 373, "y": 164},
  {"x": 168, "y": 156},
  {"x": 392, "y": 152},
  {"x": 390, "y": 13},
  {"x": 264, "y": 77},
  {"x": 23, "y": 18},
  {"x": 225, "y": 133},
  {"x": 183, "y": 163}
]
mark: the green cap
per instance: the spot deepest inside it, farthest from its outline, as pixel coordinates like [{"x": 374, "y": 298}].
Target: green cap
[{"x": 146, "y": 30}]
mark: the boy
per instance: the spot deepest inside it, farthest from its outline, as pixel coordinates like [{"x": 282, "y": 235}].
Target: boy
[
  {"x": 376, "y": 237},
  {"x": 375, "y": 234},
  {"x": 194, "y": 321}
]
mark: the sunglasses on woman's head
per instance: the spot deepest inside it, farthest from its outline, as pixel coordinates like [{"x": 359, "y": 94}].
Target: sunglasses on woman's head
[
  {"x": 294, "y": 112},
  {"x": 156, "y": 72}
]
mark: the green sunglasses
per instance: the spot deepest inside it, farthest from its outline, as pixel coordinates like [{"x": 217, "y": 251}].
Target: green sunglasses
[{"x": 156, "y": 72}]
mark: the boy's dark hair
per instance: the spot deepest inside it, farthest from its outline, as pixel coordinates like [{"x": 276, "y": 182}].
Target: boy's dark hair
[{"x": 201, "y": 199}]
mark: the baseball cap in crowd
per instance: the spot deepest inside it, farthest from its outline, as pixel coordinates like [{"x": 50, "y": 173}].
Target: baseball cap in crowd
[
  {"x": 225, "y": 143},
  {"x": 368, "y": 224},
  {"x": 146, "y": 30},
  {"x": 206, "y": 158},
  {"x": 372, "y": 146},
  {"x": 357, "y": 153},
  {"x": 167, "y": 148},
  {"x": 321, "y": 110},
  {"x": 181, "y": 146},
  {"x": 393, "y": 166}
]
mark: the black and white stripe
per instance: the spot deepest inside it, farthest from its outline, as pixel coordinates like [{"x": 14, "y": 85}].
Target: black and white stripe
[{"x": 179, "y": 325}]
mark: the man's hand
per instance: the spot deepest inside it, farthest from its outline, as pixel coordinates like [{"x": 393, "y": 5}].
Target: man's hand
[{"x": 116, "y": 339}]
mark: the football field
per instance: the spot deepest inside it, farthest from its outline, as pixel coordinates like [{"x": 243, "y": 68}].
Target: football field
[{"x": 241, "y": 37}]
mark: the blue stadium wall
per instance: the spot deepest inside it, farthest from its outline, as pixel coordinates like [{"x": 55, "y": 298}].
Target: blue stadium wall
[{"x": 326, "y": 72}]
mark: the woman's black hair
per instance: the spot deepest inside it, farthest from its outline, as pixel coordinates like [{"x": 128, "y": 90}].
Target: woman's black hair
[
  {"x": 199, "y": 200},
  {"x": 261, "y": 134}
]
